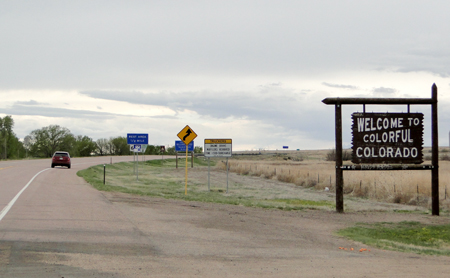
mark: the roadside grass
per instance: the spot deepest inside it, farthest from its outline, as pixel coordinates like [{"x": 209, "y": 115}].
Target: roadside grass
[
  {"x": 160, "y": 178},
  {"x": 400, "y": 187},
  {"x": 406, "y": 236}
]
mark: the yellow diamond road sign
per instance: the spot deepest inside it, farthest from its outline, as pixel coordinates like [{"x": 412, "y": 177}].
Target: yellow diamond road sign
[{"x": 187, "y": 135}]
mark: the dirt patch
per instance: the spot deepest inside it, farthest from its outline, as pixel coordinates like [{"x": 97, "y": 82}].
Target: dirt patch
[{"x": 206, "y": 239}]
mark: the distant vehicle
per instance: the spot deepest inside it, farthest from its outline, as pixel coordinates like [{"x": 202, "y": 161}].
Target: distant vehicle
[{"x": 61, "y": 159}]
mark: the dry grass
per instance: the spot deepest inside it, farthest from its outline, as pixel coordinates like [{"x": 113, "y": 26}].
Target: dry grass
[{"x": 312, "y": 170}]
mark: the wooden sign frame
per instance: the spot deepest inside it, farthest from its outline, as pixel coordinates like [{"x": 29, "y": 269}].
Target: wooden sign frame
[{"x": 434, "y": 167}]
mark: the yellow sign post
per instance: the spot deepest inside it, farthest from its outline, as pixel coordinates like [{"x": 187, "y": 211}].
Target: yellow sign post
[{"x": 186, "y": 135}]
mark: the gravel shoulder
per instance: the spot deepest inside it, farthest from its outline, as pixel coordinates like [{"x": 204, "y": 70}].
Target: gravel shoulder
[{"x": 205, "y": 239}]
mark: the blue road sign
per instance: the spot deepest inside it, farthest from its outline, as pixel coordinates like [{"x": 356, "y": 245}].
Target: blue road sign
[
  {"x": 137, "y": 138},
  {"x": 285, "y": 147},
  {"x": 180, "y": 146}
]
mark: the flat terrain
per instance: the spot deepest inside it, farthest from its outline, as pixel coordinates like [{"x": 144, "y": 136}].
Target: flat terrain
[{"x": 62, "y": 227}]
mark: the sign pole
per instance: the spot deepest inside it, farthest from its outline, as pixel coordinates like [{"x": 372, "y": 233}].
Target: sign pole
[
  {"x": 339, "y": 172},
  {"x": 137, "y": 166},
  {"x": 186, "y": 135},
  {"x": 218, "y": 148},
  {"x": 227, "y": 175},
  {"x": 185, "y": 183},
  {"x": 435, "y": 153},
  {"x": 208, "y": 174}
]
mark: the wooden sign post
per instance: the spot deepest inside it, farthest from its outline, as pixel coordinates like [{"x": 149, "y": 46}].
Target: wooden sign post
[{"x": 387, "y": 141}]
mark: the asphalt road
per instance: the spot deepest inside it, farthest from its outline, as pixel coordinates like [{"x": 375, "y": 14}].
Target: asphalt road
[
  {"x": 60, "y": 226},
  {"x": 57, "y": 212}
]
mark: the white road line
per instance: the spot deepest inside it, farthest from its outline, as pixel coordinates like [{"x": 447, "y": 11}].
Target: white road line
[{"x": 8, "y": 207}]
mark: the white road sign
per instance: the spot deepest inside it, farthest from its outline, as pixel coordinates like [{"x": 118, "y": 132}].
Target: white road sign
[
  {"x": 136, "y": 148},
  {"x": 218, "y": 147}
]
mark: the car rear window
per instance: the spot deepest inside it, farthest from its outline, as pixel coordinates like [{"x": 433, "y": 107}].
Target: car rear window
[{"x": 61, "y": 154}]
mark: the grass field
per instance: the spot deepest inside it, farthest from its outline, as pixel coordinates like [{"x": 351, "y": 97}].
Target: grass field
[
  {"x": 161, "y": 179},
  {"x": 311, "y": 169},
  {"x": 306, "y": 169},
  {"x": 405, "y": 236}
]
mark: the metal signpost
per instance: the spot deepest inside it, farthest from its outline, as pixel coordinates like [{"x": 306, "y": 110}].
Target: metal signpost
[
  {"x": 187, "y": 135},
  {"x": 137, "y": 142},
  {"x": 218, "y": 148},
  {"x": 387, "y": 141},
  {"x": 136, "y": 149},
  {"x": 180, "y": 146},
  {"x": 162, "y": 150}
]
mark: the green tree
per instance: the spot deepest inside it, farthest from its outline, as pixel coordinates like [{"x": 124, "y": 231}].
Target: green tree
[
  {"x": 84, "y": 146},
  {"x": 120, "y": 146},
  {"x": 27, "y": 143},
  {"x": 10, "y": 146},
  {"x": 151, "y": 150},
  {"x": 49, "y": 139},
  {"x": 198, "y": 149},
  {"x": 111, "y": 147},
  {"x": 102, "y": 146},
  {"x": 171, "y": 150}
]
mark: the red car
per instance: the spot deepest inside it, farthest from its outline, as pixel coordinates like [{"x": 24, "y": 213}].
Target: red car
[{"x": 61, "y": 159}]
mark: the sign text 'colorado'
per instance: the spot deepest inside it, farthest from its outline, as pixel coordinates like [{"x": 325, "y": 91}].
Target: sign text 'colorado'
[{"x": 394, "y": 138}]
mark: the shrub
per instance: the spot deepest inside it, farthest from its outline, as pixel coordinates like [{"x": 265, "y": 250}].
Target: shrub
[
  {"x": 331, "y": 155},
  {"x": 445, "y": 157}
]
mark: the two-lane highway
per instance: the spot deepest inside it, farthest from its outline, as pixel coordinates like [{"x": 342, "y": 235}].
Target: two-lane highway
[{"x": 47, "y": 208}]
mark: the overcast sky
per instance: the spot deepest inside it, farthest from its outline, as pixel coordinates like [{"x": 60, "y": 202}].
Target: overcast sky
[{"x": 254, "y": 71}]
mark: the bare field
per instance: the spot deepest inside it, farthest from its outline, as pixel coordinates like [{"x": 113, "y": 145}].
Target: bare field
[{"x": 310, "y": 169}]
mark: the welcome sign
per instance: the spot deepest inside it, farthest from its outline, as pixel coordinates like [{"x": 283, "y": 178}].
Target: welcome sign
[{"x": 392, "y": 138}]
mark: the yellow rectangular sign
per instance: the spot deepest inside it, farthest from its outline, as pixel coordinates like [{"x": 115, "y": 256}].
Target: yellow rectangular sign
[{"x": 218, "y": 141}]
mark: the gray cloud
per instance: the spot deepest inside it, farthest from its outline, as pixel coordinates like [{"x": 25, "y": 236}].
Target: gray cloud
[
  {"x": 30, "y": 102},
  {"x": 340, "y": 86},
  {"x": 19, "y": 109},
  {"x": 433, "y": 59},
  {"x": 384, "y": 91},
  {"x": 272, "y": 105},
  {"x": 81, "y": 44}
]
